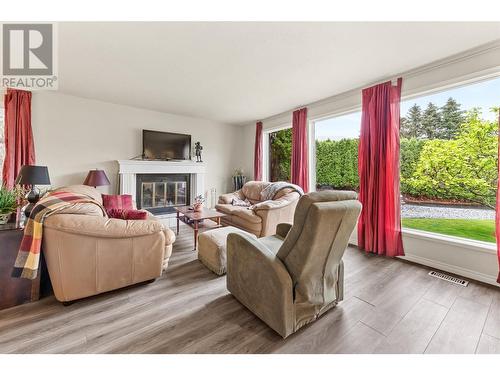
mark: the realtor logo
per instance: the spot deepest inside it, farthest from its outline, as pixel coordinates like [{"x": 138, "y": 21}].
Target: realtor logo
[{"x": 28, "y": 56}]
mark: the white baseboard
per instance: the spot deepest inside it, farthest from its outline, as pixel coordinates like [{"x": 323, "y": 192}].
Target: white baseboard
[{"x": 468, "y": 273}]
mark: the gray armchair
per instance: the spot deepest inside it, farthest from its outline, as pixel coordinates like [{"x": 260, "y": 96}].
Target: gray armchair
[{"x": 288, "y": 280}]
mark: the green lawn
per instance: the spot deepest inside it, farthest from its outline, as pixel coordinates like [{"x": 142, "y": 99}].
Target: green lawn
[{"x": 481, "y": 230}]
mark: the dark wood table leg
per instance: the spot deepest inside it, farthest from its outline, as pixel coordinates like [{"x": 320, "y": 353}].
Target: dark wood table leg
[
  {"x": 178, "y": 219},
  {"x": 195, "y": 234}
]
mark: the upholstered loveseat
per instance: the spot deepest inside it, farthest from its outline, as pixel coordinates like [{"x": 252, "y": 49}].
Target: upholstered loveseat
[
  {"x": 262, "y": 217},
  {"x": 88, "y": 253}
]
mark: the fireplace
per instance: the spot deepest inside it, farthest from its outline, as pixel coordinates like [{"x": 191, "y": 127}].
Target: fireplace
[
  {"x": 161, "y": 193},
  {"x": 129, "y": 170}
]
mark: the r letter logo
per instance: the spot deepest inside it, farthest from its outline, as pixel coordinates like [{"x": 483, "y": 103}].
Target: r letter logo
[{"x": 28, "y": 56}]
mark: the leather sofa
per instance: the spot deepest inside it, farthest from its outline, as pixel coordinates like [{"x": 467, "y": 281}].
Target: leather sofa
[
  {"x": 264, "y": 216},
  {"x": 290, "y": 279},
  {"x": 88, "y": 254}
]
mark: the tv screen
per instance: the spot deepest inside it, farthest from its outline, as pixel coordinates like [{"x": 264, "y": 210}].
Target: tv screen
[{"x": 165, "y": 146}]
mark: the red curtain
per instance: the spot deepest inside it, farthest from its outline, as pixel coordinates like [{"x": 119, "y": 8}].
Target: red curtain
[
  {"x": 497, "y": 219},
  {"x": 379, "y": 226},
  {"x": 258, "y": 154},
  {"x": 300, "y": 165},
  {"x": 19, "y": 147}
]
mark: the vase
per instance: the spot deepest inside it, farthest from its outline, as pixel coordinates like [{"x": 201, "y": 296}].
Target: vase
[
  {"x": 198, "y": 207},
  {"x": 4, "y": 218}
]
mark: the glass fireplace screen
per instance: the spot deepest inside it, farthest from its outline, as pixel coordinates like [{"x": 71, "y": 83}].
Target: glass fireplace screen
[{"x": 160, "y": 193}]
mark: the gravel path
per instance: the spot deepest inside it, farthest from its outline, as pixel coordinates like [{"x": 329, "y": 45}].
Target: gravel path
[{"x": 439, "y": 212}]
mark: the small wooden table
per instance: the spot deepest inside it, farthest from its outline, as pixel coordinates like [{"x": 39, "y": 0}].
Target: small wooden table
[
  {"x": 14, "y": 291},
  {"x": 195, "y": 219}
]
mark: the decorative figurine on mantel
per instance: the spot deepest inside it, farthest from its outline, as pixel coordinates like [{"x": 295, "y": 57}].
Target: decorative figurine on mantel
[{"x": 198, "y": 147}]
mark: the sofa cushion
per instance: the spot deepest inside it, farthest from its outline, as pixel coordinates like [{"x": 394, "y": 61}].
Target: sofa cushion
[
  {"x": 273, "y": 243},
  {"x": 252, "y": 190},
  {"x": 124, "y": 214},
  {"x": 242, "y": 212}
]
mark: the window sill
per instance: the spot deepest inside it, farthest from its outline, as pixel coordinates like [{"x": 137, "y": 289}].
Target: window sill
[{"x": 451, "y": 240}]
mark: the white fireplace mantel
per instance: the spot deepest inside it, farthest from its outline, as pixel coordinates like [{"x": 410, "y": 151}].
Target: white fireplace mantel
[{"x": 129, "y": 169}]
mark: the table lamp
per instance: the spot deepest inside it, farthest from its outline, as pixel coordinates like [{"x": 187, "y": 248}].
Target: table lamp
[
  {"x": 96, "y": 178},
  {"x": 31, "y": 175}
]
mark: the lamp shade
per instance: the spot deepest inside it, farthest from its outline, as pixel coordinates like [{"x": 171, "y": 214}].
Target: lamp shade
[
  {"x": 33, "y": 175},
  {"x": 96, "y": 177}
]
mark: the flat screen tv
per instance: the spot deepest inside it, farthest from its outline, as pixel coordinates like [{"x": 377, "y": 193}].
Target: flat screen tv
[{"x": 165, "y": 146}]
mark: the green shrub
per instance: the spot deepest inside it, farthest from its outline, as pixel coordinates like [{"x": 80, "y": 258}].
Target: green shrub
[
  {"x": 281, "y": 154},
  {"x": 337, "y": 163},
  {"x": 464, "y": 168},
  {"x": 410, "y": 150}
]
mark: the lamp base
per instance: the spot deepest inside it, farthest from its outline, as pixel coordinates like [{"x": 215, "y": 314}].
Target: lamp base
[{"x": 32, "y": 197}]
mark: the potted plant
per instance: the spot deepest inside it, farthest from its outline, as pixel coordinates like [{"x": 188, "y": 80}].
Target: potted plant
[
  {"x": 10, "y": 200},
  {"x": 198, "y": 203}
]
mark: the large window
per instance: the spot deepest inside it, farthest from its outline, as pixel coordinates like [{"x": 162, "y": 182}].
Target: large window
[
  {"x": 337, "y": 152},
  {"x": 280, "y": 155},
  {"x": 449, "y": 161}
]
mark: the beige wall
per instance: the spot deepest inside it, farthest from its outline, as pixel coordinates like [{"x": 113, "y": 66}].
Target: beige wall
[{"x": 73, "y": 135}]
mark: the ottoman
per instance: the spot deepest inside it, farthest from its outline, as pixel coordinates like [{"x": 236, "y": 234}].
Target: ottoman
[{"x": 212, "y": 248}]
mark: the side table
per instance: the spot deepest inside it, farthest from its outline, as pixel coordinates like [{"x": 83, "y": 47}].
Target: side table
[{"x": 14, "y": 291}]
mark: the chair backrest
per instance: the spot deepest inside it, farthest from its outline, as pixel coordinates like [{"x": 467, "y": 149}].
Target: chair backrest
[{"x": 312, "y": 251}]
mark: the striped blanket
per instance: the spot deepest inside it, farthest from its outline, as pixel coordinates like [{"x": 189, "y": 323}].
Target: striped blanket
[{"x": 28, "y": 258}]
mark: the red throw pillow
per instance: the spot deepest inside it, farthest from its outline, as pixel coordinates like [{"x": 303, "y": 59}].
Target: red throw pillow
[
  {"x": 123, "y": 202},
  {"x": 119, "y": 213}
]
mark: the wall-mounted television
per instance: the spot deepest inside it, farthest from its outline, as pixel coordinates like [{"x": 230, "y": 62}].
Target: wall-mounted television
[{"x": 165, "y": 146}]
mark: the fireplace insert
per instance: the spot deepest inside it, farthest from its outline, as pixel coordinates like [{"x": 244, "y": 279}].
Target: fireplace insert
[{"x": 161, "y": 193}]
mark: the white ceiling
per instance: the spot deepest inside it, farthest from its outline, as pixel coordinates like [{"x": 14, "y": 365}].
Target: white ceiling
[{"x": 240, "y": 72}]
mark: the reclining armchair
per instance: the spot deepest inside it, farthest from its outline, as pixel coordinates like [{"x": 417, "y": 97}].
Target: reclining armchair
[
  {"x": 88, "y": 254},
  {"x": 262, "y": 218},
  {"x": 289, "y": 279}
]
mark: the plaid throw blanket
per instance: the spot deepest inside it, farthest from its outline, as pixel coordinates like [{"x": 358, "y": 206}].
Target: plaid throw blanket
[{"x": 26, "y": 265}]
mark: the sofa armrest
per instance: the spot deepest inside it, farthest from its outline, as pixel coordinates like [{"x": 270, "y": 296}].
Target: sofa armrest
[
  {"x": 102, "y": 227},
  {"x": 228, "y": 198},
  {"x": 169, "y": 233},
  {"x": 282, "y": 229},
  {"x": 260, "y": 281}
]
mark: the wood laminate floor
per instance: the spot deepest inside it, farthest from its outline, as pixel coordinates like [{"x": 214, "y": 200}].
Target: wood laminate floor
[{"x": 390, "y": 306}]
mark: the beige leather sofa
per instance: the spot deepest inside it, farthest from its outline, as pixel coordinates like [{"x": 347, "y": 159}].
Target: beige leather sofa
[
  {"x": 88, "y": 254},
  {"x": 263, "y": 218},
  {"x": 288, "y": 280}
]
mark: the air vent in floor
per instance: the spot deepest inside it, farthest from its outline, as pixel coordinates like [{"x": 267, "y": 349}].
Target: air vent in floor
[{"x": 450, "y": 279}]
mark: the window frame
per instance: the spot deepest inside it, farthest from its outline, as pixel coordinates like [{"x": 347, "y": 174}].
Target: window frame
[{"x": 354, "y": 109}]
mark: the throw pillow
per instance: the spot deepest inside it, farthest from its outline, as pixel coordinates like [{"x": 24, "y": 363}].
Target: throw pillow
[
  {"x": 117, "y": 201},
  {"x": 124, "y": 214}
]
